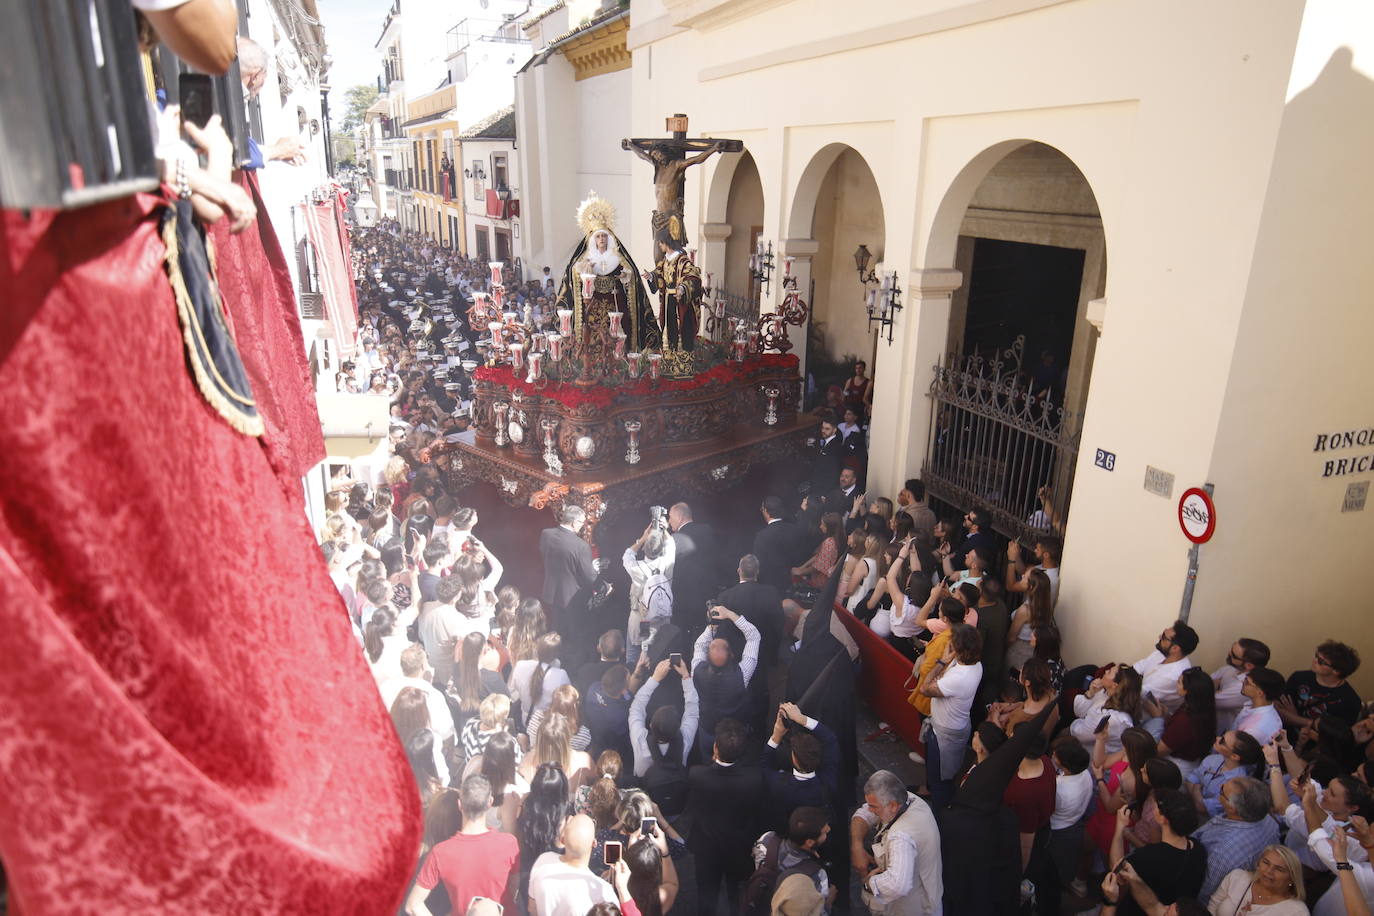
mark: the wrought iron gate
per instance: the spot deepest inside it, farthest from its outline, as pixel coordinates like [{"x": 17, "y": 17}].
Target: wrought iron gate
[{"x": 999, "y": 444}]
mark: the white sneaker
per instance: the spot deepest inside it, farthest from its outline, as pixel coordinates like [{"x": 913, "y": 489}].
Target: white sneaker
[{"x": 916, "y": 758}]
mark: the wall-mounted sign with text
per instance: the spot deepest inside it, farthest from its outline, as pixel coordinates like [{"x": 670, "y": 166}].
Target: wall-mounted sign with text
[{"x": 1346, "y": 439}]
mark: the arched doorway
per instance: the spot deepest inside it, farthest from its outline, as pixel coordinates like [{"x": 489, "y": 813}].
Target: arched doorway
[
  {"x": 1007, "y": 401},
  {"x": 837, "y": 205},
  {"x": 729, "y": 234},
  {"x": 744, "y": 215}
]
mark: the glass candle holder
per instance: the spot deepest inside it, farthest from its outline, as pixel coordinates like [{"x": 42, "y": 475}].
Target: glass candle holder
[
  {"x": 498, "y": 295},
  {"x": 655, "y": 365},
  {"x": 753, "y": 340},
  {"x": 737, "y": 350},
  {"x": 496, "y": 271},
  {"x": 536, "y": 362},
  {"x": 565, "y": 322},
  {"x": 615, "y": 318},
  {"x": 634, "y": 359},
  {"x": 619, "y": 341},
  {"x": 555, "y": 342},
  {"x": 588, "y": 285},
  {"x": 517, "y": 355}
]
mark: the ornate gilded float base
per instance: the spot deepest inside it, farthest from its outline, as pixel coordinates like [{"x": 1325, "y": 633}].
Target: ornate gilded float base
[{"x": 676, "y": 473}]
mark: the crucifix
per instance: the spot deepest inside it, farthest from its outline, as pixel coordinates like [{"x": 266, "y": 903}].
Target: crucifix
[{"x": 671, "y": 157}]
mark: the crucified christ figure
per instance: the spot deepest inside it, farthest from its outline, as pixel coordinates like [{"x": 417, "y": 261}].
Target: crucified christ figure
[{"x": 670, "y": 168}]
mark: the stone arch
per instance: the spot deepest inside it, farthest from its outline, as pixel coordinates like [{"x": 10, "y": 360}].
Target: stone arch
[
  {"x": 837, "y": 205},
  {"x": 1021, "y": 224}
]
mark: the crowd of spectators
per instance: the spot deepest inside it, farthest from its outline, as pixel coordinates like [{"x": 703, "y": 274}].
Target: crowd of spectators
[{"x": 703, "y": 754}]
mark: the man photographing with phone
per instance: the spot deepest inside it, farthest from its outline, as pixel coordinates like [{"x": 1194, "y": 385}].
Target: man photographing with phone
[{"x": 721, "y": 675}]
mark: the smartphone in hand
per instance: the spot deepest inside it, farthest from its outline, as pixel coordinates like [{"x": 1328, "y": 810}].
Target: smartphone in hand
[
  {"x": 611, "y": 852},
  {"x": 675, "y": 659},
  {"x": 648, "y": 825},
  {"x": 1102, "y": 726}
]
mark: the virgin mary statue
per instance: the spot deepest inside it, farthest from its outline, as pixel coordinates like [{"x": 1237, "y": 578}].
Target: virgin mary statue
[{"x": 616, "y": 287}]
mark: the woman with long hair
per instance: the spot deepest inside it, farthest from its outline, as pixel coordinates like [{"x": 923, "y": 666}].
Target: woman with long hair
[
  {"x": 1110, "y": 705},
  {"x": 553, "y": 744},
  {"x": 1187, "y": 736},
  {"x": 1045, "y": 645},
  {"x": 541, "y": 818},
  {"x": 853, "y": 558},
  {"x": 530, "y": 624},
  {"x": 878, "y": 606},
  {"x": 865, "y": 574},
  {"x": 566, "y": 702},
  {"x": 1035, "y": 680},
  {"x": 1118, "y": 782},
  {"x": 1274, "y": 888},
  {"x": 410, "y": 716},
  {"x": 472, "y": 681},
  {"x": 1035, "y": 611},
  {"x": 817, "y": 569},
  {"x": 499, "y": 764},
  {"x": 384, "y": 640},
  {"x": 1158, "y": 774},
  {"x": 402, "y": 578},
  {"x": 533, "y": 680}
]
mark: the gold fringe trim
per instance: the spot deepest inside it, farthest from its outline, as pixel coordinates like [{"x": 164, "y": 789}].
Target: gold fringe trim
[{"x": 191, "y": 334}]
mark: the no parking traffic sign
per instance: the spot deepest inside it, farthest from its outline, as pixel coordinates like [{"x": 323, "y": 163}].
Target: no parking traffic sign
[{"x": 1197, "y": 516}]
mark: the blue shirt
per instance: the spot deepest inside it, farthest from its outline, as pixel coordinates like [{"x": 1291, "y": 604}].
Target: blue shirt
[
  {"x": 1210, "y": 777},
  {"x": 1232, "y": 844}
]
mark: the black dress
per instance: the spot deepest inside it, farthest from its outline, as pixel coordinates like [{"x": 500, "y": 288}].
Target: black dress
[{"x": 978, "y": 835}]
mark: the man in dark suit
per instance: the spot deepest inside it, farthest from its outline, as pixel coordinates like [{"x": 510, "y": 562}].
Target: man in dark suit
[
  {"x": 761, "y": 604},
  {"x": 569, "y": 572},
  {"x": 696, "y": 569},
  {"x": 828, "y": 459},
  {"x": 806, "y": 773},
  {"x": 778, "y": 546},
  {"x": 726, "y": 802}
]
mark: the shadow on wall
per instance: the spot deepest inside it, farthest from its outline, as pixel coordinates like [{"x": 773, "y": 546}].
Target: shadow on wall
[{"x": 1301, "y": 358}]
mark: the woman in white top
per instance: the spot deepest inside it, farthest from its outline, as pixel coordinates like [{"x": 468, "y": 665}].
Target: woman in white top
[
  {"x": 952, "y": 686},
  {"x": 865, "y": 574},
  {"x": 533, "y": 680},
  {"x": 1274, "y": 888},
  {"x": 1115, "y": 697},
  {"x": 384, "y": 640}
]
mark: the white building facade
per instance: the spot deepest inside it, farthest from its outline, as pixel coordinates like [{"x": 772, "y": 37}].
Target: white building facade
[{"x": 1157, "y": 206}]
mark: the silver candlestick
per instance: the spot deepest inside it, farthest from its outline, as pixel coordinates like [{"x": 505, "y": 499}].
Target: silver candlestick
[
  {"x": 551, "y": 459},
  {"x": 770, "y": 416},
  {"x": 632, "y": 429},
  {"x": 501, "y": 408}
]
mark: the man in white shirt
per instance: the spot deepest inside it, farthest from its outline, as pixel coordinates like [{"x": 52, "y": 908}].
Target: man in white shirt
[
  {"x": 564, "y": 885},
  {"x": 1262, "y": 688},
  {"x": 1073, "y": 792},
  {"x": 1244, "y": 656},
  {"x": 441, "y": 626},
  {"x": 904, "y": 874},
  {"x": 413, "y": 666},
  {"x": 1161, "y": 669},
  {"x": 660, "y": 727}
]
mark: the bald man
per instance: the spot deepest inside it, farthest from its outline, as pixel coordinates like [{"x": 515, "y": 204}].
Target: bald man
[{"x": 564, "y": 885}]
